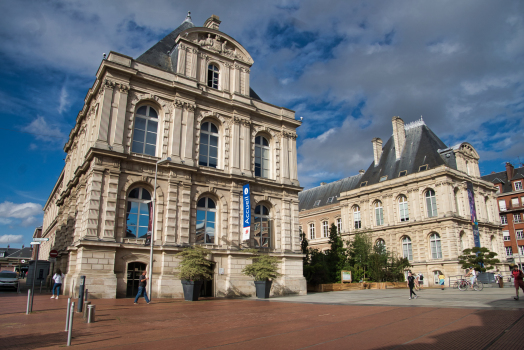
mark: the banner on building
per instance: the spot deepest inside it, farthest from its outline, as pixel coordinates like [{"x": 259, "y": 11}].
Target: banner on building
[
  {"x": 246, "y": 203},
  {"x": 149, "y": 224},
  {"x": 473, "y": 211}
]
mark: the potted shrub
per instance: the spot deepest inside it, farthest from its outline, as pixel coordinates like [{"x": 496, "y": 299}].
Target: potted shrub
[
  {"x": 193, "y": 269},
  {"x": 263, "y": 269}
]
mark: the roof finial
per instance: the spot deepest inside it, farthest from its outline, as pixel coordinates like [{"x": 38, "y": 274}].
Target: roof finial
[
  {"x": 188, "y": 17},
  {"x": 421, "y": 119}
]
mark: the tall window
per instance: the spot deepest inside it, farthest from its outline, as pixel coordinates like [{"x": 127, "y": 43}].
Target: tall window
[
  {"x": 509, "y": 251},
  {"x": 521, "y": 249},
  {"x": 356, "y": 217},
  {"x": 457, "y": 206},
  {"x": 379, "y": 214},
  {"x": 431, "y": 203},
  {"x": 503, "y": 220},
  {"x": 339, "y": 225},
  {"x": 516, "y": 218},
  {"x": 138, "y": 213},
  {"x": 325, "y": 229},
  {"x": 206, "y": 218},
  {"x": 212, "y": 76},
  {"x": 520, "y": 234},
  {"x": 407, "y": 251},
  {"x": 311, "y": 231},
  {"x": 262, "y": 228},
  {"x": 261, "y": 157},
  {"x": 436, "y": 249},
  {"x": 403, "y": 208},
  {"x": 506, "y": 236},
  {"x": 502, "y": 204},
  {"x": 208, "y": 145},
  {"x": 145, "y": 131}
]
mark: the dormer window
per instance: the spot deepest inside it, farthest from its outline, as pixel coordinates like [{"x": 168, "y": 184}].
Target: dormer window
[
  {"x": 383, "y": 178},
  {"x": 403, "y": 173},
  {"x": 518, "y": 185},
  {"x": 330, "y": 200},
  {"x": 317, "y": 203},
  {"x": 212, "y": 76},
  {"x": 423, "y": 167}
]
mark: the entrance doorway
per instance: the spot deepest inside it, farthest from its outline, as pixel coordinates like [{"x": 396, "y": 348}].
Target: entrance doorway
[{"x": 134, "y": 270}]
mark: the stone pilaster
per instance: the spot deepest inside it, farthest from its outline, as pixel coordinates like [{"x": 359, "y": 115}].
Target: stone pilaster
[
  {"x": 188, "y": 135},
  {"x": 104, "y": 126},
  {"x": 111, "y": 179},
  {"x": 92, "y": 204},
  {"x": 177, "y": 131},
  {"x": 181, "y": 63},
  {"x": 170, "y": 230},
  {"x": 119, "y": 119},
  {"x": 184, "y": 212}
]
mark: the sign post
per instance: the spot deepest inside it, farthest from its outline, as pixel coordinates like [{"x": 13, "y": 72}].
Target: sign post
[
  {"x": 246, "y": 203},
  {"x": 37, "y": 243}
]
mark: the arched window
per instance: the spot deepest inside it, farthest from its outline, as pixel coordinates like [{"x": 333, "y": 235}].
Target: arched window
[
  {"x": 436, "y": 249},
  {"x": 145, "y": 131},
  {"x": 339, "y": 225},
  {"x": 212, "y": 76},
  {"x": 325, "y": 229},
  {"x": 206, "y": 219},
  {"x": 381, "y": 245},
  {"x": 261, "y": 157},
  {"x": 262, "y": 227},
  {"x": 431, "y": 203},
  {"x": 457, "y": 206},
  {"x": 403, "y": 208},
  {"x": 208, "y": 145},
  {"x": 356, "y": 217},
  {"x": 138, "y": 214},
  {"x": 379, "y": 214},
  {"x": 407, "y": 250},
  {"x": 311, "y": 231}
]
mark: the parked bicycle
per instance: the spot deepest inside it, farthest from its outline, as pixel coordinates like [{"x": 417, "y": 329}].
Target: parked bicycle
[{"x": 464, "y": 284}]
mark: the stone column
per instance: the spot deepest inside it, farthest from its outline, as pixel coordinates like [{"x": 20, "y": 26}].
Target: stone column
[
  {"x": 235, "y": 147},
  {"x": 236, "y": 77},
  {"x": 293, "y": 158},
  {"x": 170, "y": 231},
  {"x": 203, "y": 68},
  {"x": 105, "y": 114},
  {"x": 184, "y": 213},
  {"x": 80, "y": 200},
  {"x": 188, "y": 135},
  {"x": 245, "y": 132},
  {"x": 284, "y": 163},
  {"x": 246, "y": 81},
  {"x": 194, "y": 61},
  {"x": 235, "y": 216},
  {"x": 177, "y": 131},
  {"x": 92, "y": 204},
  {"x": 119, "y": 122},
  {"x": 286, "y": 223},
  {"x": 110, "y": 205},
  {"x": 225, "y": 76},
  {"x": 181, "y": 63}
]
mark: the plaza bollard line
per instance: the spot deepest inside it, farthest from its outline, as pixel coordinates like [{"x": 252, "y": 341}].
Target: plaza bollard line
[
  {"x": 71, "y": 317},
  {"x": 85, "y": 309},
  {"x": 67, "y": 314},
  {"x": 91, "y": 314},
  {"x": 28, "y": 301}
]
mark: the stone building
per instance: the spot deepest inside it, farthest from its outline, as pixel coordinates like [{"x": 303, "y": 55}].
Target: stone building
[
  {"x": 413, "y": 199},
  {"x": 510, "y": 199},
  {"x": 187, "y": 98}
]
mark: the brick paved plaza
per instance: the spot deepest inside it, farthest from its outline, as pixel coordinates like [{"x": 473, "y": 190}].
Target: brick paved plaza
[{"x": 372, "y": 319}]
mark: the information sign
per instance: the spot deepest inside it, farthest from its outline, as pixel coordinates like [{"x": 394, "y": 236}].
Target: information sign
[
  {"x": 40, "y": 239},
  {"x": 346, "y": 276},
  {"x": 246, "y": 203},
  {"x": 53, "y": 253}
]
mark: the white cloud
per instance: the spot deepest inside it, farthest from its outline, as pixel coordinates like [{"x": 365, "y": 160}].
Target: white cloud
[
  {"x": 43, "y": 131},
  {"x": 8, "y": 239},
  {"x": 30, "y": 221},
  {"x": 5, "y": 221},
  {"x": 19, "y": 211},
  {"x": 64, "y": 101}
]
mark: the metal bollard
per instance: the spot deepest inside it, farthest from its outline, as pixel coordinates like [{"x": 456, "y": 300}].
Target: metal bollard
[
  {"x": 28, "y": 301},
  {"x": 85, "y": 309},
  {"x": 71, "y": 317},
  {"x": 67, "y": 315},
  {"x": 90, "y": 313}
]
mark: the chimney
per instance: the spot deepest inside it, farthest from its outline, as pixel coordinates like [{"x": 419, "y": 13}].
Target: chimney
[
  {"x": 377, "y": 149},
  {"x": 399, "y": 135},
  {"x": 213, "y": 22},
  {"x": 323, "y": 183},
  {"x": 361, "y": 171},
  {"x": 509, "y": 171}
]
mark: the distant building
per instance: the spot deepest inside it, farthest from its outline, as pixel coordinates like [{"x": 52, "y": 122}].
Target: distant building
[
  {"x": 14, "y": 259},
  {"x": 510, "y": 199},
  {"x": 414, "y": 199},
  {"x": 188, "y": 98}
]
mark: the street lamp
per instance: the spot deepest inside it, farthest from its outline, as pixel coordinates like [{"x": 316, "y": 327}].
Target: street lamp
[{"x": 168, "y": 159}]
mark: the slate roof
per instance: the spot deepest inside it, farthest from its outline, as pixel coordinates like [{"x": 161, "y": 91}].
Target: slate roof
[
  {"x": 24, "y": 253},
  {"x": 8, "y": 251},
  {"x": 308, "y": 198},
  {"x": 502, "y": 178},
  {"x": 422, "y": 147},
  {"x": 164, "y": 54}
]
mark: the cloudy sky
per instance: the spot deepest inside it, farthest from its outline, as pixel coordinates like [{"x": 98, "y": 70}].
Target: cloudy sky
[{"x": 346, "y": 67}]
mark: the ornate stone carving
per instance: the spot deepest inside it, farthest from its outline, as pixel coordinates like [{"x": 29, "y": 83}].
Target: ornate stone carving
[
  {"x": 217, "y": 44},
  {"x": 124, "y": 89}
]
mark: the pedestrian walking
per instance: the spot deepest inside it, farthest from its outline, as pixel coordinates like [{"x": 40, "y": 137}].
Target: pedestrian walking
[
  {"x": 518, "y": 276},
  {"x": 58, "y": 277},
  {"x": 441, "y": 279},
  {"x": 142, "y": 287},
  {"x": 411, "y": 285}
]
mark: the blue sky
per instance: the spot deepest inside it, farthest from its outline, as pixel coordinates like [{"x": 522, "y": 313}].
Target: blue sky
[{"x": 346, "y": 67}]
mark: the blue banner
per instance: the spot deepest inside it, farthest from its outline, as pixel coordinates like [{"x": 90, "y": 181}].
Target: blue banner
[
  {"x": 246, "y": 204},
  {"x": 473, "y": 211}
]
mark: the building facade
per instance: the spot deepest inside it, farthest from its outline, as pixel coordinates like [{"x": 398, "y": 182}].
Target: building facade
[
  {"x": 510, "y": 200},
  {"x": 187, "y": 98},
  {"x": 415, "y": 199}
]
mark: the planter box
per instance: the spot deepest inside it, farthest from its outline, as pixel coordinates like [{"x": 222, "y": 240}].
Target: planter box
[
  {"x": 263, "y": 288},
  {"x": 335, "y": 287},
  {"x": 191, "y": 290}
]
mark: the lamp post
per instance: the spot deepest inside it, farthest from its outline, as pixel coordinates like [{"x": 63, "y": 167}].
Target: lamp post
[{"x": 168, "y": 159}]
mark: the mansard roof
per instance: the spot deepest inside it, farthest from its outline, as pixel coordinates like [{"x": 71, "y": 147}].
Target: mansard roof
[
  {"x": 502, "y": 178},
  {"x": 422, "y": 147},
  {"x": 322, "y": 193}
]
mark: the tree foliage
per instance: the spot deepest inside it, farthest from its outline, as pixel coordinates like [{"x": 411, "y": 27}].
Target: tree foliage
[
  {"x": 263, "y": 268},
  {"x": 480, "y": 258},
  {"x": 193, "y": 265}
]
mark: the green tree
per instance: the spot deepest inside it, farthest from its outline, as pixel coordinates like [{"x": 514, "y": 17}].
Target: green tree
[
  {"x": 263, "y": 268},
  {"x": 193, "y": 265},
  {"x": 317, "y": 270},
  {"x": 337, "y": 255},
  {"x": 359, "y": 251},
  {"x": 480, "y": 258}
]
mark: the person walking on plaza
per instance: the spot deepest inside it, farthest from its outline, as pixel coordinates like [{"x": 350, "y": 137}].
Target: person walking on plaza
[
  {"x": 58, "y": 278},
  {"x": 518, "y": 276},
  {"x": 142, "y": 287},
  {"x": 441, "y": 279},
  {"x": 411, "y": 285}
]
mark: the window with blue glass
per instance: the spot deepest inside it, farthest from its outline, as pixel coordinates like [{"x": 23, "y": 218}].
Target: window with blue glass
[
  {"x": 145, "y": 131},
  {"x": 138, "y": 213},
  {"x": 206, "y": 221},
  {"x": 208, "y": 145}
]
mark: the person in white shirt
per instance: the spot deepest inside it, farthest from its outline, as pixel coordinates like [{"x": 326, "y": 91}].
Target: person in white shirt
[{"x": 58, "y": 278}]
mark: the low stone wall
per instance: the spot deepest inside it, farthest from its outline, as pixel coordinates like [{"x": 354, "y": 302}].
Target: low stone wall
[{"x": 335, "y": 287}]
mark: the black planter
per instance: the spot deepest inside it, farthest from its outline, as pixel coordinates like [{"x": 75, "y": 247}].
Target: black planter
[
  {"x": 263, "y": 288},
  {"x": 191, "y": 290}
]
